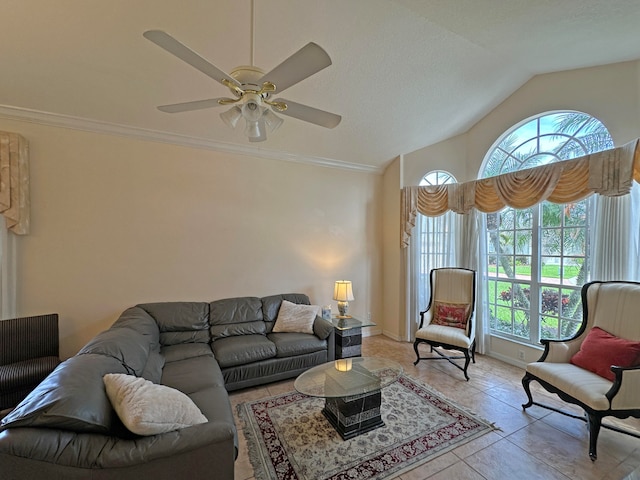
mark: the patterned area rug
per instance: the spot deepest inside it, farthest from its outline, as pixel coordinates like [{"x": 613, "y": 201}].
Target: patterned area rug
[{"x": 289, "y": 438}]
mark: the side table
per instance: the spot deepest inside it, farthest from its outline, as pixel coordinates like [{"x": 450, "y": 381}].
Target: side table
[{"x": 349, "y": 336}]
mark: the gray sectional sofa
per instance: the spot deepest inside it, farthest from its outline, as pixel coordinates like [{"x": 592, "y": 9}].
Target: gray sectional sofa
[{"x": 67, "y": 428}]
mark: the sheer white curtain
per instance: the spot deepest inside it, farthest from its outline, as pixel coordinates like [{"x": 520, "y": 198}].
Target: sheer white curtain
[
  {"x": 7, "y": 271},
  {"x": 436, "y": 245},
  {"x": 469, "y": 252},
  {"x": 615, "y": 237}
]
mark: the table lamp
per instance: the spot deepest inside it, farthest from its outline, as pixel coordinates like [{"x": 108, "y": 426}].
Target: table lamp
[{"x": 343, "y": 293}]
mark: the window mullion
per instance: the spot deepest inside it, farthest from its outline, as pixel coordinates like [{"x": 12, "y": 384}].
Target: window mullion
[{"x": 534, "y": 304}]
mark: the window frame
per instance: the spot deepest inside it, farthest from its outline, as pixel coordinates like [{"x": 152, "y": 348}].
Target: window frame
[{"x": 535, "y": 283}]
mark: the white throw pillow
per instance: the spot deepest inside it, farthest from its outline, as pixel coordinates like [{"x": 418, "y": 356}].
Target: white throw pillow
[
  {"x": 148, "y": 409},
  {"x": 293, "y": 317}
]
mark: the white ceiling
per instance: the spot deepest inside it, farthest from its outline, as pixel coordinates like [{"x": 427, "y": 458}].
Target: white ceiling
[{"x": 405, "y": 73}]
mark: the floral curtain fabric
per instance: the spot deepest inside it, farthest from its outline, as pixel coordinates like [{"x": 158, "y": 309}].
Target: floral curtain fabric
[
  {"x": 14, "y": 182},
  {"x": 609, "y": 173}
]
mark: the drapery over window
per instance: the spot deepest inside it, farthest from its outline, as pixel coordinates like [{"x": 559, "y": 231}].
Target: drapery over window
[
  {"x": 14, "y": 182},
  {"x": 608, "y": 173}
]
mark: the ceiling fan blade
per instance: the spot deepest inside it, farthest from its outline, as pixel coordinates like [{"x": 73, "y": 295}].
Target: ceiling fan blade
[
  {"x": 305, "y": 62},
  {"x": 188, "y": 106},
  {"x": 309, "y": 114},
  {"x": 173, "y": 46}
]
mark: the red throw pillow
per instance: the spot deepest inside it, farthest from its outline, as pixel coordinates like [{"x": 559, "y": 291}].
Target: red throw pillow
[
  {"x": 600, "y": 350},
  {"x": 450, "y": 314}
]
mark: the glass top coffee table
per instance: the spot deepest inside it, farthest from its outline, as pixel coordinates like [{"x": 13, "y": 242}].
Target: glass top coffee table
[{"x": 351, "y": 388}]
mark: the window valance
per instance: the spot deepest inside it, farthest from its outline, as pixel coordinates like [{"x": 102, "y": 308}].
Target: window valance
[
  {"x": 608, "y": 173},
  {"x": 14, "y": 182}
]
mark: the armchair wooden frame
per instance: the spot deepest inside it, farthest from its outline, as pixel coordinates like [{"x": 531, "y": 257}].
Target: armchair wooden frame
[{"x": 554, "y": 350}]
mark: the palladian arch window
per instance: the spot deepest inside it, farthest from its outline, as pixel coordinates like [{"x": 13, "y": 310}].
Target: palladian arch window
[{"x": 537, "y": 259}]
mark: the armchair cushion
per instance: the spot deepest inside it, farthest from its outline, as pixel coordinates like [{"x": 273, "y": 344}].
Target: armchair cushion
[
  {"x": 600, "y": 350},
  {"x": 450, "y": 314}
]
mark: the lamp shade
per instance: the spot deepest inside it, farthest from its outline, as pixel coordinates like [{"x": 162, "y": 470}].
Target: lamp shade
[{"x": 342, "y": 291}]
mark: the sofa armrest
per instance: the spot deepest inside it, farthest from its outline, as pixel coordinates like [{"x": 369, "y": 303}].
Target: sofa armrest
[{"x": 322, "y": 328}]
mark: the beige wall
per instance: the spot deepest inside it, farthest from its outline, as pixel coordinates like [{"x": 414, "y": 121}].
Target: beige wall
[
  {"x": 444, "y": 155},
  {"x": 392, "y": 285},
  {"x": 118, "y": 221}
]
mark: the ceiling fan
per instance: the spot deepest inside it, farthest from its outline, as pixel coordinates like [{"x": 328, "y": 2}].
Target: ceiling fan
[{"x": 252, "y": 89}]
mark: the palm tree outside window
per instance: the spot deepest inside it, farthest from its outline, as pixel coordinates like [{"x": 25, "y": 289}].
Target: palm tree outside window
[{"x": 537, "y": 259}]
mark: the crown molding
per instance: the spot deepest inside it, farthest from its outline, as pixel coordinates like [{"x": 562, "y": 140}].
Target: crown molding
[{"x": 96, "y": 126}]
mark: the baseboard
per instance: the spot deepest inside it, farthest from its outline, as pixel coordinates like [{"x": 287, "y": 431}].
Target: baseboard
[{"x": 509, "y": 360}]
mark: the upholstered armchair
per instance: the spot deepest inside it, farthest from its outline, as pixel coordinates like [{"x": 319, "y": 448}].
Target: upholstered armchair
[
  {"x": 448, "y": 320},
  {"x": 598, "y": 369},
  {"x": 29, "y": 351}
]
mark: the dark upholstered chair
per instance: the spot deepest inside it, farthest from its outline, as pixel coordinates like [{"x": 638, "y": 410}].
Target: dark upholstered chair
[
  {"x": 29, "y": 351},
  {"x": 448, "y": 320},
  {"x": 604, "y": 378}
]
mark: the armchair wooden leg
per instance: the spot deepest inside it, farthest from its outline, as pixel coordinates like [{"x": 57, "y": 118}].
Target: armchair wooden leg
[
  {"x": 594, "y": 422},
  {"x": 415, "y": 348},
  {"x": 526, "y": 380},
  {"x": 467, "y": 359}
]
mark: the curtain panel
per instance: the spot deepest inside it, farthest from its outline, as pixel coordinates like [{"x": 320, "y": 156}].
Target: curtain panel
[
  {"x": 609, "y": 173},
  {"x": 14, "y": 182}
]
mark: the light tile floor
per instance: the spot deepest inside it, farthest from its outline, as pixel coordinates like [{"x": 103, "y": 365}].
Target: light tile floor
[{"x": 532, "y": 444}]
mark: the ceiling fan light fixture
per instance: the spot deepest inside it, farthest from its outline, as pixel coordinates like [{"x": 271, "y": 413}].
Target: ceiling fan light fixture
[
  {"x": 256, "y": 131},
  {"x": 252, "y": 109},
  {"x": 232, "y": 116},
  {"x": 272, "y": 120}
]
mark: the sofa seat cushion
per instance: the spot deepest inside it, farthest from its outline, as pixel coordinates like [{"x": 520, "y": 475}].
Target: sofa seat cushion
[
  {"x": 192, "y": 374},
  {"x": 232, "y": 351},
  {"x": 26, "y": 373},
  {"x": 72, "y": 398},
  {"x": 291, "y": 344},
  {"x": 581, "y": 384},
  {"x": 173, "y": 353}
]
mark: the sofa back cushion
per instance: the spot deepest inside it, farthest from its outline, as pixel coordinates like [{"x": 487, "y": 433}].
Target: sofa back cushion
[
  {"x": 125, "y": 345},
  {"x": 180, "y": 322},
  {"x": 72, "y": 398},
  {"x": 231, "y": 317},
  {"x": 271, "y": 306},
  {"x": 137, "y": 319}
]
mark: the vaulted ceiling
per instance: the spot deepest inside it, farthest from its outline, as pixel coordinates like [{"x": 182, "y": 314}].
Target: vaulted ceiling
[{"x": 405, "y": 73}]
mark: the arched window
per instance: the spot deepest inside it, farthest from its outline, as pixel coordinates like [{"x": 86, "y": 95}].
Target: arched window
[
  {"x": 436, "y": 241},
  {"x": 537, "y": 259}
]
